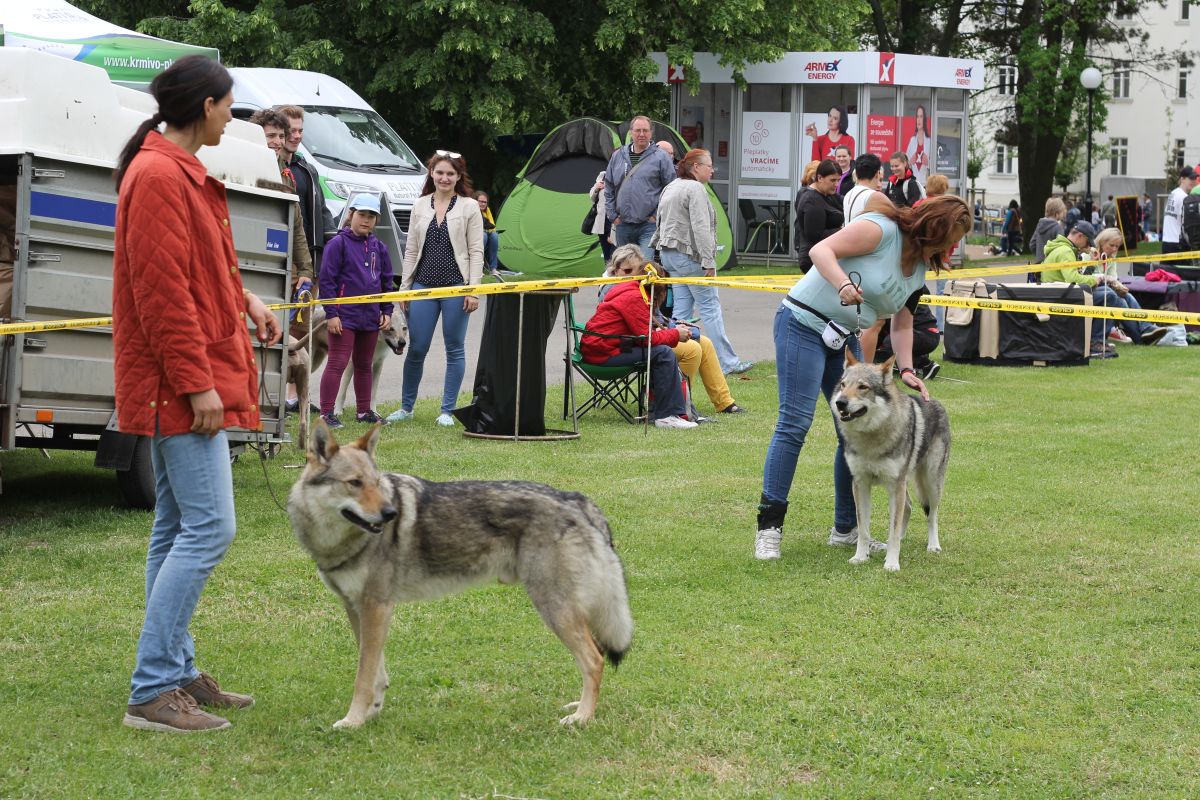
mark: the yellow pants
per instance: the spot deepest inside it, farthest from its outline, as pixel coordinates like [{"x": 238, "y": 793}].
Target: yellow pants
[{"x": 700, "y": 356}]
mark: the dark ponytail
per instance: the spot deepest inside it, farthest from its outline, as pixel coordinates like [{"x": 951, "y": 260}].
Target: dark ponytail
[{"x": 180, "y": 91}]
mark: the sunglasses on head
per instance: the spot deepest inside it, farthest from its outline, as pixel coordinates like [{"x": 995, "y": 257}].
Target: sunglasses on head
[{"x": 448, "y": 153}]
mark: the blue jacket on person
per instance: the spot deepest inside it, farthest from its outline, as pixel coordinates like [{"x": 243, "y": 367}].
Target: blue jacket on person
[
  {"x": 639, "y": 200},
  {"x": 356, "y": 265}
]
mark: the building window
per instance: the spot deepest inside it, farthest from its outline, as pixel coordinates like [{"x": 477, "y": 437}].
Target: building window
[
  {"x": 1119, "y": 156},
  {"x": 1004, "y": 159},
  {"x": 1120, "y": 80},
  {"x": 1008, "y": 79},
  {"x": 1180, "y": 146},
  {"x": 1182, "y": 88},
  {"x": 1184, "y": 9}
]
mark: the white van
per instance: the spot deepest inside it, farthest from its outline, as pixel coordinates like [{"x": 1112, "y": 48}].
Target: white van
[{"x": 351, "y": 146}]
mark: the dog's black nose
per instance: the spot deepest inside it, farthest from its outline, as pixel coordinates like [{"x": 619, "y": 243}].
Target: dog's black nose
[
  {"x": 388, "y": 513},
  {"x": 840, "y": 403}
]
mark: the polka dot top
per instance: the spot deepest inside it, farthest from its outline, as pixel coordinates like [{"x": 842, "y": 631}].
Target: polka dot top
[{"x": 437, "y": 266}]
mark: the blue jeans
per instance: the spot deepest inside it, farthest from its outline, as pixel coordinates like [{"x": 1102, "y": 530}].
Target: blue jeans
[
  {"x": 701, "y": 300},
  {"x": 1104, "y": 296},
  {"x": 639, "y": 233},
  {"x": 193, "y": 527},
  {"x": 491, "y": 249},
  {"x": 422, "y": 319},
  {"x": 805, "y": 368},
  {"x": 665, "y": 380}
]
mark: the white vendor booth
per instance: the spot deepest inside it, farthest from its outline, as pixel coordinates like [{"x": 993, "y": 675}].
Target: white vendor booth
[{"x": 761, "y": 137}]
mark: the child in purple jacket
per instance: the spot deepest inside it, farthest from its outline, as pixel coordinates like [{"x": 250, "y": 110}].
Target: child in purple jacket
[{"x": 354, "y": 263}]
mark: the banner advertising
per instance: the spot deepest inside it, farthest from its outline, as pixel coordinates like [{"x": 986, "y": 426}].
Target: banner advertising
[
  {"x": 777, "y": 194},
  {"x": 817, "y": 142},
  {"x": 882, "y": 135},
  {"x": 918, "y": 146},
  {"x": 765, "y": 145},
  {"x": 691, "y": 126},
  {"x": 949, "y": 147}
]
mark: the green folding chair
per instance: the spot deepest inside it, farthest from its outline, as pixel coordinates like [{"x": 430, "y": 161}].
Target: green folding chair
[{"x": 620, "y": 388}]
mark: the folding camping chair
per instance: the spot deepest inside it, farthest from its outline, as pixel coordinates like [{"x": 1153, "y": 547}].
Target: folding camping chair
[{"x": 616, "y": 387}]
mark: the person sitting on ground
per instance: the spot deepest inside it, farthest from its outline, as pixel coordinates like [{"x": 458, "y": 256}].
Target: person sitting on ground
[
  {"x": 616, "y": 337},
  {"x": 1067, "y": 249},
  {"x": 1108, "y": 244},
  {"x": 1049, "y": 227},
  {"x": 491, "y": 239},
  {"x": 698, "y": 355},
  {"x": 868, "y": 175},
  {"x": 818, "y": 211},
  {"x": 876, "y": 341}
]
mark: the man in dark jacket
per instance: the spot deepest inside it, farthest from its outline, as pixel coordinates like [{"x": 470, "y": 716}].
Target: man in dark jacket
[
  {"x": 903, "y": 188},
  {"x": 308, "y": 187}
]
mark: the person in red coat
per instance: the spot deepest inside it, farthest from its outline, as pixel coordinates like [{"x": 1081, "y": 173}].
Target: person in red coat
[
  {"x": 624, "y": 314},
  {"x": 184, "y": 371}
]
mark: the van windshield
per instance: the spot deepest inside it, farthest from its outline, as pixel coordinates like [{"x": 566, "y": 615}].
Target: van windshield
[{"x": 356, "y": 139}]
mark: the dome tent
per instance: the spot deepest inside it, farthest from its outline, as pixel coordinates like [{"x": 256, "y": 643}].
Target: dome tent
[{"x": 541, "y": 218}]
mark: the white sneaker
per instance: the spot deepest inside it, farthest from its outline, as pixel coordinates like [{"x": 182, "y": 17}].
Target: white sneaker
[
  {"x": 766, "y": 544},
  {"x": 851, "y": 540},
  {"x": 399, "y": 415},
  {"x": 674, "y": 422},
  {"x": 444, "y": 421}
]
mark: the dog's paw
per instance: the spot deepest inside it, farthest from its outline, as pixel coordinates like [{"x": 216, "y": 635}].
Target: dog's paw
[
  {"x": 575, "y": 719},
  {"x": 892, "y": 566},
  {"x": 345, "y": 723},
  {"x": 571, "y": 706},
  {"x": 934, "y": 548},
  {"x": 857, "y": 559}
]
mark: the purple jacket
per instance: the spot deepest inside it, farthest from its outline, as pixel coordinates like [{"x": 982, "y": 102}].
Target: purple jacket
[{"x": 354, "y": 266}]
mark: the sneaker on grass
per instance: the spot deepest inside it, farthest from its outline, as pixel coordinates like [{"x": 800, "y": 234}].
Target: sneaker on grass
[
  {"x": 766, "y": 544},
  {"x": 674, "y": 422},
  {"x": 332, "y": 421},
  {"x": 850, "y": 539}
]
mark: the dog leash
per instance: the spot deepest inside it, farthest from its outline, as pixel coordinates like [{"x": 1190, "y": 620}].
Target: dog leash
[
  {"x": 857, "y": 284},
  {"x": 260, "y": 435}
]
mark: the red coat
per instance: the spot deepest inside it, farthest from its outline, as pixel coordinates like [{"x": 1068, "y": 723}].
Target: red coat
[
  {"x": 624, "y": 312},
  {"x": 179, "y": 321}
]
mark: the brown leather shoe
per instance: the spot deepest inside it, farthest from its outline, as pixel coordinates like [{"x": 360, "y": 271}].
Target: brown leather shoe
[
  {"x": 174, "y": 711},
  {"x": 205, "y": 691}
]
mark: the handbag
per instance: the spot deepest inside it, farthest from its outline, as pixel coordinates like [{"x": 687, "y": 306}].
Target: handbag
[{"x": 589, "y": 219}]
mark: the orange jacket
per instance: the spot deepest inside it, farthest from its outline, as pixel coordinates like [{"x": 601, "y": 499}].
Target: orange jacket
[{"x": 179, "y": 321}]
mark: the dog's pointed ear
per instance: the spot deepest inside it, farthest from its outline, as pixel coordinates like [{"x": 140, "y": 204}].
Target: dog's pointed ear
[
  {"x": 886, "y": 368},
  {"x": 369, "y": 440},
  {"x": 321, "y": 445},
  {"x": 850, "y": 359}
]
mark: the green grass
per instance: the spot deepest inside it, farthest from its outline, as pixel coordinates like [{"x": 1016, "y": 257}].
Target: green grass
[{"x": 1052, "y": 650}]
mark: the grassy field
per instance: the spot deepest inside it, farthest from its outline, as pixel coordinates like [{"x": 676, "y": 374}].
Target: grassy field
[{"x": 1052, "y": 650}]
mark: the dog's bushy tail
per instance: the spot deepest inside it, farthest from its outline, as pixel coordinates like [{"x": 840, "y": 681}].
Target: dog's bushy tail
[{"x": 609, "y": 617}]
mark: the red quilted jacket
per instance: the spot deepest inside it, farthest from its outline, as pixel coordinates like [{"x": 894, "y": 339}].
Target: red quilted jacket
[
  {"x": 179, "y": 321},
  {"x": 624, "y": 312}
]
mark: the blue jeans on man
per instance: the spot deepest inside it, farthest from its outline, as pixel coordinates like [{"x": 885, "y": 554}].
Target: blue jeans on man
[
  {"x": 701, "y": 300},
  {"x": 491, "y": 251},
  {"x": 639, "y": 233},
  {"x": 422, "y": 320},
  {"x": 193, "y": 527},
  {"x": 665, "y": 380},
  {"x": 805, "y": 369}
]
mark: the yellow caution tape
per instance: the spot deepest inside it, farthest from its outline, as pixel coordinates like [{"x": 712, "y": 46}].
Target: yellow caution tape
[
  {"x": 10, "y": 328},
  {"x": 1066, "y": 310}
]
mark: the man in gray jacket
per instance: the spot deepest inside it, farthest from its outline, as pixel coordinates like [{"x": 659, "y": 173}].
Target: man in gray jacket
[{"x": 635, "y": 178}]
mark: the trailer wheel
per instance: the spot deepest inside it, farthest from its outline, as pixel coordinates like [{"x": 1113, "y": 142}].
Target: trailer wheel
[{"x": 137, "y": 482}]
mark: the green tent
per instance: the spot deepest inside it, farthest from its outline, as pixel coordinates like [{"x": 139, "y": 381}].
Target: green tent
[
  {"x": 61, "y": 29},
  {"x": 542, "y": 216}
]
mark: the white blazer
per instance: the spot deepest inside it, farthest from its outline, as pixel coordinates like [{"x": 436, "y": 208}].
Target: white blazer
[{"x": 465, "y": 225}]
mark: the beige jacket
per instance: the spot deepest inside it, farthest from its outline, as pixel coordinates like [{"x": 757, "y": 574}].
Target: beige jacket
[{"x": 465, "y": 223}]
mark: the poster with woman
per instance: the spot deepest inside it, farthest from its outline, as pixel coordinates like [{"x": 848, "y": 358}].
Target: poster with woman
[
  {"x": 917, "y": 145},
  {"x": 824, "y": 132}
]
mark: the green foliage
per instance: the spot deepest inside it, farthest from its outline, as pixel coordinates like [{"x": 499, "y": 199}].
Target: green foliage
[{"x": 1050, "y": 650}]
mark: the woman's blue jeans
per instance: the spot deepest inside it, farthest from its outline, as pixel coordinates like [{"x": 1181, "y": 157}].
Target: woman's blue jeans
[
  {"x": 704, "y": 301},
  {"x": 806, "y": 369},
  {"x": 491, "y": 250},
  {"x": 422, "y": 320},
  {"x": 193, "y": 527}
]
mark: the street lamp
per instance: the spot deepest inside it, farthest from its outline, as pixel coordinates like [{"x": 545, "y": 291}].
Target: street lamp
[{"x": 1090, "y": 78}]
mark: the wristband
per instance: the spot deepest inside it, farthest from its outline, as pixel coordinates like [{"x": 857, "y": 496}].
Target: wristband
[{"x": 907, "y": 369}]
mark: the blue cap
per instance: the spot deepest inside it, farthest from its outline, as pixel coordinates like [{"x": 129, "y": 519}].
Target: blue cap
[{"x": 365, "y": 202}]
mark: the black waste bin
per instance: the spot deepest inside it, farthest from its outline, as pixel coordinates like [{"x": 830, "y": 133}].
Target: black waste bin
[{"x": 493, "y": 409}]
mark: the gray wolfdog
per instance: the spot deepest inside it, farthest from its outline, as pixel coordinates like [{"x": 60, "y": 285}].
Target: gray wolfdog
[
  {"x": 381, "y": 538},
  {"x": 890, "y": 437}
]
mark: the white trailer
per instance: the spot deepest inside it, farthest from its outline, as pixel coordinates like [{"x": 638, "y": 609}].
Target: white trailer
[{"x": 62, "y": 126}]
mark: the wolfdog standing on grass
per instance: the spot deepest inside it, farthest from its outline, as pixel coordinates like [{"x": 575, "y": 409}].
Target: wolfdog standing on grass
[
  {"x": 890, "y": 437},
  {"x": 381, "y": 538}
]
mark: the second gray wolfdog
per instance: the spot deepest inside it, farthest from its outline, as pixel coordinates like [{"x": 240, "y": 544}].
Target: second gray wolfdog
[
  {"x": 890, "y": 437},
  {"x": 382, "y": 538}
]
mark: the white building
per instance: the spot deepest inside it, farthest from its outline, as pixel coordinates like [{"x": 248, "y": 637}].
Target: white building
[{"x": 1151, "y": 117}]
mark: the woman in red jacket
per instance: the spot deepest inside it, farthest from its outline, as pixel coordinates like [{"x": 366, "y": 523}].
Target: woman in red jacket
[
  {"x": 184, "y": 371},
  {"x": 624, "y": 313}
]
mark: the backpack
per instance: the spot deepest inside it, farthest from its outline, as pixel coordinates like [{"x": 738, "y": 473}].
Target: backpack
[{"x": 1189, "y": 220}]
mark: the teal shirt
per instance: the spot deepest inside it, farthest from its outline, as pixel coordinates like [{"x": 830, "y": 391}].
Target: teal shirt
[{"x": 884, "y": 287}]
